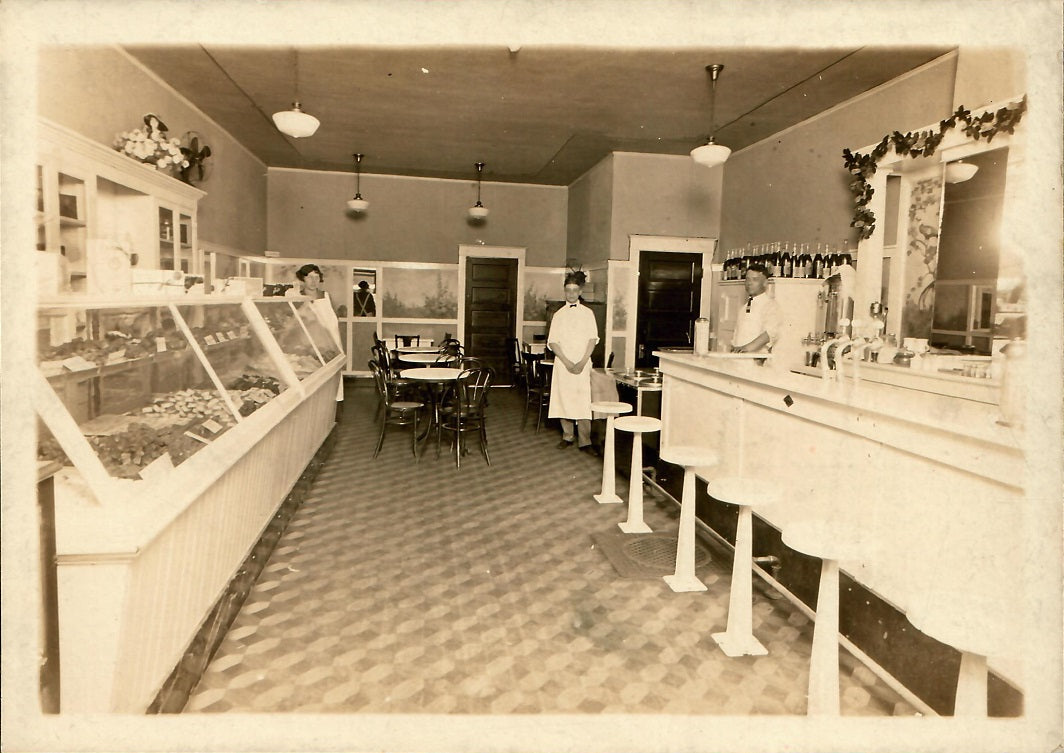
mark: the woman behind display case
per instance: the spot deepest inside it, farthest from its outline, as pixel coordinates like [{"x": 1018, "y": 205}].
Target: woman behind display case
[{"x": 310, "y": 279}]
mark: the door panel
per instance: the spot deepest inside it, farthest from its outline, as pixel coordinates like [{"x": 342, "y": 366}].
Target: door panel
[
  {"x": 670, "y": 292},
  {"x": 490, "y": 312}
]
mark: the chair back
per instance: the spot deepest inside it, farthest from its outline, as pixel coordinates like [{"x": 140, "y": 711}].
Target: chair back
[
  {"x": 405, "y": 341},
  {"x": 451, "y": 347},
  {"x": 381, "y": 380},
  {"x": 533, "y": 373},
  {"x": 468, "y": 364},
  {"x": 473, "y": 387}
]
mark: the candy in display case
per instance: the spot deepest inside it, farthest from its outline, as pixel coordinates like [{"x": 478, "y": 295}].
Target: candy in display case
[
  {"x": 303, "y": 339},
  {"x": 149, "y": 386}
]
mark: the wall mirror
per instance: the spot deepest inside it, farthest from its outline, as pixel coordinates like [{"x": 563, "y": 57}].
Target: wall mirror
[{"x": 941, "y": 255}]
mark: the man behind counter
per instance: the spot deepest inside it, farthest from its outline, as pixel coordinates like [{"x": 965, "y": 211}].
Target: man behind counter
[{"x": 758, "y": 325}]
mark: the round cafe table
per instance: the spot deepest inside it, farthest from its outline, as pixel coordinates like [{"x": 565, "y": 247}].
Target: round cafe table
[
  {"x": 435, "y": 377},
  {"x": 424, "y": 359}
]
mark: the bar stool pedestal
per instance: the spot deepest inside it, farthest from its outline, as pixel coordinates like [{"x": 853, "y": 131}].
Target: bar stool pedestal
[
  {"x": 959, "y": 629},
  {"x": 738, "y": 638},
  {"x": 831, "y": 542},
  {"x": 608, "y": 496},
  {"x": 684, "y": 579},
  {"x": 637, "y": 425}
]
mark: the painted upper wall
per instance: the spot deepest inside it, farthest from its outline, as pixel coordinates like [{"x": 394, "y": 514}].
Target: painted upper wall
[
  {"x": 630, "y": 193},
  {"x": 591, "y": 214},
  {"x": 101, "y": 91},
  {"x": 794, "y": 187},
  {"x": 410, "y": 219},
  {"x": 656, "y": 194}
]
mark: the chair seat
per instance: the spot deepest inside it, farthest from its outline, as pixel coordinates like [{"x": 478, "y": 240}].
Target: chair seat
[
  {"x": 637, "y": 424},
  {"x": 689, "y": 456},
  {"x": 609, "y": 407},
  {"x": 406, "y": 405},
  {"x": 741, "y": 490}
]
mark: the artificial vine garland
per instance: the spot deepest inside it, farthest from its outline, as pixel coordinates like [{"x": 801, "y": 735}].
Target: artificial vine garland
[{"x": 920, "y": 144}]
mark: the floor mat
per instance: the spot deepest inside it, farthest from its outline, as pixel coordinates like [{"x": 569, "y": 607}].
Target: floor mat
[{"x": 644, "y": 556}]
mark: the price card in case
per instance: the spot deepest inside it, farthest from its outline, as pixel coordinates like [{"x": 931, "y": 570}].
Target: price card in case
[
  {"x": 197, "y": 437},
  {"x": 232, "y": 334},
  {"x": 77, "y": 363},
  {"x": 212, "y": 426},
  {"x": 160, "y": 344},
  {"x": 209, "y": 339},
  {"x": 220, "y": 336}
]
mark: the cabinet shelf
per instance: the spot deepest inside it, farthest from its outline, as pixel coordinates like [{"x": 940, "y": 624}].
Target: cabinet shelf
[{"x": 71, "y": 222}]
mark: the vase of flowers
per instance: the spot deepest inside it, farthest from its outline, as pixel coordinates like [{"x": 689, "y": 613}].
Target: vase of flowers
[{"x": 151, "y": 146}]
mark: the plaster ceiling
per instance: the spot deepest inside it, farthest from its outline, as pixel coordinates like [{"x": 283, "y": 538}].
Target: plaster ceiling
[{"x": 543, "y": 114}]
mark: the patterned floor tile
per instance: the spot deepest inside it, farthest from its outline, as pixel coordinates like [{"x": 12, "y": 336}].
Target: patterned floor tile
[{"x": 403, "y": 588}]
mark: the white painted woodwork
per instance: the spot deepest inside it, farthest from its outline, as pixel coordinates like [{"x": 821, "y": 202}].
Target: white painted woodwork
[{"x": 933, "y": 479}]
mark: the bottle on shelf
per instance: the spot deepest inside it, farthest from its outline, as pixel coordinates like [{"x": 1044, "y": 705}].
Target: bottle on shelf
[
  {"x": 818, "y": 264},
  {"x": 845, "y": 259},
  {"x": 166, "y": 231},
  {"x": 786, "y": 263}
]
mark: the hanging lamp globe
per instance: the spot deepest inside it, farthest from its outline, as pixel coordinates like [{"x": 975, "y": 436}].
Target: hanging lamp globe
[
  {"x": 478, "y": 211},
  {"x": 711, "y": 154},
  {"x": 959, "y": 171},
  {"x": 295, "y": 122},
  {"x": 358, "y": 204}
]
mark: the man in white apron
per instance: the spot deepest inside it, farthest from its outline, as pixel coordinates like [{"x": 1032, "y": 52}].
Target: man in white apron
[
  {"x": 572, "y": 337},
  {"x": 758, "y": 324}
]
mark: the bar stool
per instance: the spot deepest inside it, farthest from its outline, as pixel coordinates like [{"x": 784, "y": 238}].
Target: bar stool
[
  {"x": 608, "y": 496},
  {"x": 637, "y": 425},
  {"x": 831, "y": 541},
  {"x": 959, "y": 629},
  {"x": 738, "y": 638},
  {"x": 684, "y": 578}
]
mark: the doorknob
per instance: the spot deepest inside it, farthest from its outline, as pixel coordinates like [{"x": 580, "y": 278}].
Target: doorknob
[{"x": 640, "y": 351}]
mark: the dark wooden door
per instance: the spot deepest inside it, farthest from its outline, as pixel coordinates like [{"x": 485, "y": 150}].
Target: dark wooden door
[
  {"x": 670, "y": 292},
  {"x": 490, "y": 312}
]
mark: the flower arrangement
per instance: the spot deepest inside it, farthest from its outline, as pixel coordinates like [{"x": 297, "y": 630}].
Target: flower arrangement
[
  {"x": 151, "y": 146},
  {"x": 921, "y": 144}
]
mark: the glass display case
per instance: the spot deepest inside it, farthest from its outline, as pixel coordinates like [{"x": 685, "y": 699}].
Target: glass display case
[
  {"x": 305, "y": 341},
  {"x": 148, "y": 385}
]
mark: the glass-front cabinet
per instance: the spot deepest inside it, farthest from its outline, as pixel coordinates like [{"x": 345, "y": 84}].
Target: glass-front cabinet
[
  {"x": 107, "y": 224},
  {"x": 142, "y": 387}
]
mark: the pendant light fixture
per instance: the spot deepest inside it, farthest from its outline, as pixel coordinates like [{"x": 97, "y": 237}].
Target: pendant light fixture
[
  {"x": 711, "y": 153},
  {"x": 478, "y": 211},
  {"x": 960, "y": 171},
  {"x": 295, "y": 122},
  {"x": 358, "y": 204}
]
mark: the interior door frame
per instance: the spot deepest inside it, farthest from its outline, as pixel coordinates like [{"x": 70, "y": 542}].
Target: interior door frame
[
  {"x": 466, "y": 252},
  {"x": 673, "y": 244}
]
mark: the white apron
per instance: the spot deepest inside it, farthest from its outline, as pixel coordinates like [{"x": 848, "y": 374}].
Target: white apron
[{"x": 570, "y": 331}]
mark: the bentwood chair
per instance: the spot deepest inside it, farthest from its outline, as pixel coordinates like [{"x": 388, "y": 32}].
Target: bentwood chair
[
  {"x": 396, "y": 412},
  {"x": 406, "y": 341},
  {"x": 467, "y": 414},
  {"x": 451, "y": 347},
  {"x": 400, "y": 388},
  {"x": 513, "y": 356},
  {"x": 537, "y": 388}
]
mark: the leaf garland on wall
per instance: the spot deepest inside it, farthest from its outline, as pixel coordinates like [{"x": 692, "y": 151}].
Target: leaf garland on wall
[{"x": 920, "y": 144}]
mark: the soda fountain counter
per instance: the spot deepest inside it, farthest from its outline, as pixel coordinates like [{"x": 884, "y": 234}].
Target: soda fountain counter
[{"x": 933, "y": 481}]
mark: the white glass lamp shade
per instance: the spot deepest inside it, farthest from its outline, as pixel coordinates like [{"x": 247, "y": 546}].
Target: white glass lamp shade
[
  {"x": 478, "y": 211},
  {"x": 958, "y": 172},
  {"x": 358, "y": 204},
  {"x": 295, "y": 122},
  {"x": 711, "y": 154}
]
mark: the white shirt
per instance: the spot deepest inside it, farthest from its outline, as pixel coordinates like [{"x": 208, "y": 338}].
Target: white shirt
[{"x": 764, "y": 315}]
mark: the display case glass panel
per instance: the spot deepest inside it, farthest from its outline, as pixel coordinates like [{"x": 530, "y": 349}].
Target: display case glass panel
[
  {"x": 124, "y": 374},
  {"x": 235, "y": 354},
  {"x": 321, "y": 333},
  {"x": 293, "y": 338}
]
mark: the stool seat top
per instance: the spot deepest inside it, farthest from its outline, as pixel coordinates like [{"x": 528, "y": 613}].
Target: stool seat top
[
  {"x": 827, "y": 539},
  {"x": 958, "y": 626},
  {"x": 637, "y": 424},
  {"x": 607, "y": 407},
  {"x": 744, "y": 490},
  {"x": 689, "y": 456},
  {"x": 407, "y": 405}
]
